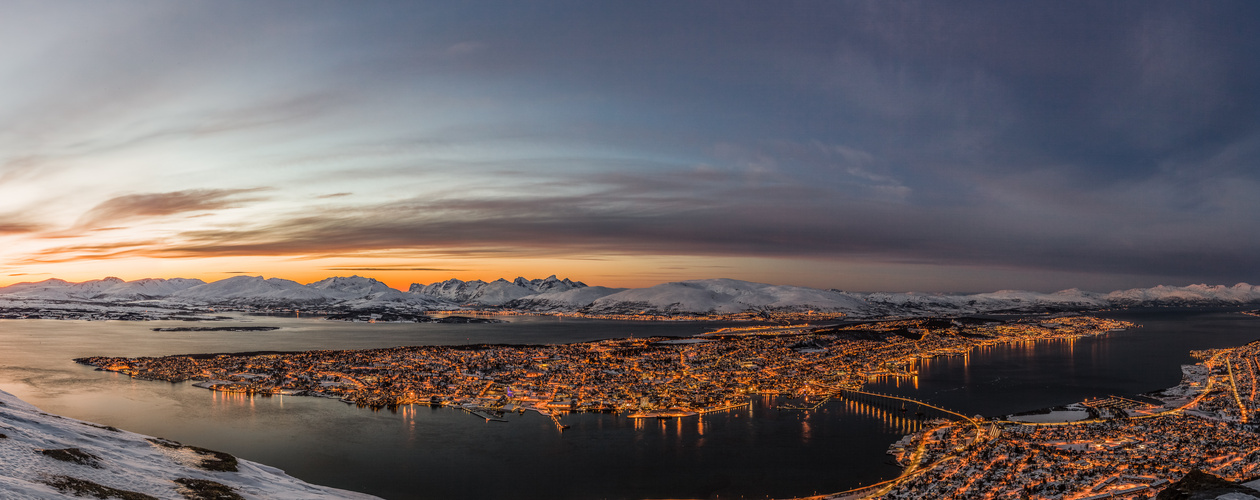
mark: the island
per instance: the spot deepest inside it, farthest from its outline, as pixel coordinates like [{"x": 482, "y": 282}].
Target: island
[{"x": 638, "y": 377}]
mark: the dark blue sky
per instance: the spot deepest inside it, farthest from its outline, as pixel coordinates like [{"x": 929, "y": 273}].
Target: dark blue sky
[{"x": 856, "y": 145}]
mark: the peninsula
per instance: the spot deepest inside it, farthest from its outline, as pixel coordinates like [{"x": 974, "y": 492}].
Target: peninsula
[{"x": 634, "y": 376}]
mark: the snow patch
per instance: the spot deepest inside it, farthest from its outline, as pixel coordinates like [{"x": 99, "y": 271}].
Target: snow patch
[{"x": 127, "y": 461}]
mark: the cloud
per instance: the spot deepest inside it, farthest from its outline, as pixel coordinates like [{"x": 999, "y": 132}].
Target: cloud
[
  {"x": 1030, "y": 220},
  {"x": 90, "y": 251},
  {"x": 714, "y": 214},
  {"x": 392, "y": 269},
  {"x": 742, "y": 225},
  {"x": 17, "y": 227},
  {"x": 139, "y": 206},
  {"x": 273, "y": 112}
]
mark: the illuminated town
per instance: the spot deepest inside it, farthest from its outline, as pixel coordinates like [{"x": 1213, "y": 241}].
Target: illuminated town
[
  {"x": 639, "y": 377},
  {"x": 1122, "y": 449},
  {"x": 1104, "y": 448}
]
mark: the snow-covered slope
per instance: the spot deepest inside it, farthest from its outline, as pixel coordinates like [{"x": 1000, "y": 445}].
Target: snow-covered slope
[
  {"x": 251, "y": 290},
  {"x": 50, "y": 289},
  {"x": 475, "y": 292},
  {"x": 46, "y": 456},
  {"x": 106, "y": 290},
  {"x": 722, "y": 296},
  {"x": 1241, "y": 293},
  {"x": 919, "y": 304},
  {"x": 354, "y": 287},
  {"x": 150, "y": 288},
  {"x": 548, "y": 284},
  {"x": 356, "y": 292},
  {"x": 454, "y": 290},
  {"x": 494, "y": 293},
  {"x": 352, "y": 292},
  {"x": 568, "y": 300},
  {"x": 497, "y": 292}
]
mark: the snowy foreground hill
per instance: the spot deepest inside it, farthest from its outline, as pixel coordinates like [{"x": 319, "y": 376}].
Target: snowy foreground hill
[
  {"x": 48, "y": 456},
  {"x": 555, "y": 295}
]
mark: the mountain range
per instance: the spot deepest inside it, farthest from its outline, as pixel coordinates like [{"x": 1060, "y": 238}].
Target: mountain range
[{"x": 552, "y": 295}]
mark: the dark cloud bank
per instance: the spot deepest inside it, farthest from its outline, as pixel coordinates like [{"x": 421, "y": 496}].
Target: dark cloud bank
[{"x": 1117, "y": 137}]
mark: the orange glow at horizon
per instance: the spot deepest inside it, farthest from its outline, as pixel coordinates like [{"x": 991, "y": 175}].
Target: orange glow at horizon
[
  {"x": 400, "y": 270},
  {"x": 623, "y": 272}
]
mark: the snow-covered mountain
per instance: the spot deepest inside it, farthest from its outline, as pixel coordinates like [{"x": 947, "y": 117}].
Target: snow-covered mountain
[
  {"x": 551, "y": 294},
  {"x": 46, "y": 456},
  {"x": 565, "y": 301},
  {"x": 454, "y": 290},
  {"x": 494, "y": 293},
  {"x": 358, "y": 292},
  {"x": 352, "y": 292},
  {"x": 549, "y": 284},
  {"x": 103, "y": 290},
  {"x": 923, "y": 304},
  {"x": 722, "y": 296},
  {"x": 354, "y": 287},
  {"x": 1241, "y": 293},
  {"x": 244, "y": 290}
]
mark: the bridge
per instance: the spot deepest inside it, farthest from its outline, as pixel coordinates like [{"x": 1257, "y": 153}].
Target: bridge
[{"x": 914, "y": 468}]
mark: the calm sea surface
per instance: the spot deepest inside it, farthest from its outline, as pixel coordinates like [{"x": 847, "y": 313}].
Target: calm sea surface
[
  {"x": 421, "y": 452},
  {"x": 1011, "y": 378}
]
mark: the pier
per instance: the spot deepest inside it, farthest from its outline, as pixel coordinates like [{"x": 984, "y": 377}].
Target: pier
[
  {"x": 812, "y": 407},
  {"x": 555, "y": 419},
  {"x": 483, "y": 413}
]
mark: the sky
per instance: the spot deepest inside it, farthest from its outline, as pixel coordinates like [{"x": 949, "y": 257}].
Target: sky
[{"x": 864, "y": 146}]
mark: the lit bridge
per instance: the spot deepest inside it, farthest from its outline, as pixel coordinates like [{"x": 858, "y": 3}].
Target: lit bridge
[{"x": 913, "y": 469}]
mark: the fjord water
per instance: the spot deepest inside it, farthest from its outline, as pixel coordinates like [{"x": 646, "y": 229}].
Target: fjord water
[
  {"x": 1010, "y": 378},
  {"x": 421, "y": 452}
]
